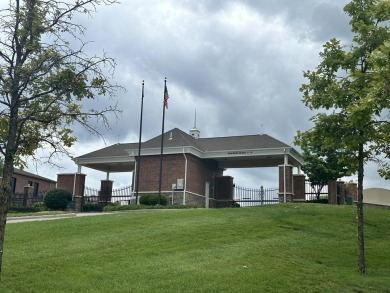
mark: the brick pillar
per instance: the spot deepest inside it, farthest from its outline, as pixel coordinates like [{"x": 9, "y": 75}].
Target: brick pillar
[
  {"x": 285, "y": 175},
  {"x": 341, "y": 192},
  {"x": 332, "y": 192},
  {"x": 105, "y": 191},
  {"x": 351, "y": 191},
  {"x": 26, "y": 193},
  {"x": 299, "y": 187},
  {"x": 75, "y": 184}
]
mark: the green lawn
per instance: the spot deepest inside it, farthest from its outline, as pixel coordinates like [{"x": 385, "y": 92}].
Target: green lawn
[{"x": 278, "y": 248}]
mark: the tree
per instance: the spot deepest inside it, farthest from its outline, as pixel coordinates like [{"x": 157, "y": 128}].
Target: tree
[
  {"x": 44, "y": 77},
  {"x": 321, "y": 168},
  {"x": 352, "y": 85}
]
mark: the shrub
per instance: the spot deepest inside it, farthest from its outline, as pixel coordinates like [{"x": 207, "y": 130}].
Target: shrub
[
  {"x": 22, "y": 209},
  {"x": 39, "y": 206},
  {"x": 92, "y": 207},
  {"x": 57, "y": 199},
  {"x": 152, "y": 199}
]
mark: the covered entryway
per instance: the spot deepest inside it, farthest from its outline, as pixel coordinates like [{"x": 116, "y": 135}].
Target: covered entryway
[{"x": 196, "y": 162}]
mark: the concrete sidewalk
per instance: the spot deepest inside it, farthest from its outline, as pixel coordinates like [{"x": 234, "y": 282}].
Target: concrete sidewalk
[
  {"x": 87, "y": 214},
  {"x": 52, "y": 217}
]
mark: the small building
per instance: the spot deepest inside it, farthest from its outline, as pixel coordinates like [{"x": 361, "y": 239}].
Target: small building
[
  {"x": 38, "y": 184},
  {"x": 193, "y": 167}
]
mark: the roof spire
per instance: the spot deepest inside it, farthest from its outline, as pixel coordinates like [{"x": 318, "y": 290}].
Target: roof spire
[
  {"x": 194, "y": 132},
  {"x": 195, "y": 120}
]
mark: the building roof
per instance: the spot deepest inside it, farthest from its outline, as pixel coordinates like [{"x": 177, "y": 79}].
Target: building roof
[
  {"x": 31, "y": 175},
  {"x": 230, "y": 152}
]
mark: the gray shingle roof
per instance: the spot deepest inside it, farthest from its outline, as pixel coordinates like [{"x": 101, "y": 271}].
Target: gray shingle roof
[
  {"x": 115, "y": 150},
  {"x": 178, "y": 138},
  {"x": 32, "y": 175},
  {"x": 232, "y": 151}
]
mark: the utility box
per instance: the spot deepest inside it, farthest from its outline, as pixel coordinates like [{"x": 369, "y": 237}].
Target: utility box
[{"x": 180, "y": 184}]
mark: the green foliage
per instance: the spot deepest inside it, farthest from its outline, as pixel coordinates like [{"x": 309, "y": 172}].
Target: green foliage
[
  {"x": 35, "y": 208},
  {"x": 351, "y": 86},
  {"x": 39, "y": 206},
  {"x": 57, "y": 199},
  {"x": 152, "y": 199},
  {"x": 92, "y": 207},
  {"x": 321, "y": 166},
  {"x": 52, "y": 76},
  {"x": 117, "y": 207},
  {"x": 321, "y": 200},
  {"x": 22, "y": 209}
]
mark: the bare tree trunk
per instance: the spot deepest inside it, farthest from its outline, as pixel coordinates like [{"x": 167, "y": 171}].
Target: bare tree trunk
[
  {"x": 5, "y": 194},
  {"x": 9, "y": 161},
  {"x": 360, "y": 230}
]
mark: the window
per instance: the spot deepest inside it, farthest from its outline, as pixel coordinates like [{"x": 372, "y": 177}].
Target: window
[
  {"x": 36, "y": 189},
  {"x": 13, "y": 185},
  {"x": 29, "y": 183}
]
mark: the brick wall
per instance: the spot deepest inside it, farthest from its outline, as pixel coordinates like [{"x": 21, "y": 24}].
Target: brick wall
[
  {"x": 22, "y": 180},
  {"x": 351, "y": 190},
  {"x": 299, "y": 187},
  {"x": 332, "y": 192},
  {"x": 198, "y": 172},
  {"x": 289, "y": 179},
  {"x": 149, "y": 174},
  {"x": 66, "y": 181}
]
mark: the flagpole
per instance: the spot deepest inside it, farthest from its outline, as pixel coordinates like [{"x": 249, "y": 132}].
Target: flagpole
[
  {"x": 139, "y": 145},
  {"x": 165, "y": 104}
]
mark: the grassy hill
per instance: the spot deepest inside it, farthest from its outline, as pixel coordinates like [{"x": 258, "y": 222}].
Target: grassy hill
[{"x": 276, "y": 248}]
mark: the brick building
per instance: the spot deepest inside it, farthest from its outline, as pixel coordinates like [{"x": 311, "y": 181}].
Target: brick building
[
  {"x": 37, "y": 184},
  {"x": 193, "y": 166}
]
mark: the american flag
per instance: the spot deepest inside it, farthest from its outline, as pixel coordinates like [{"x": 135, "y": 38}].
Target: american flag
[{"x": 166, "y": 97}]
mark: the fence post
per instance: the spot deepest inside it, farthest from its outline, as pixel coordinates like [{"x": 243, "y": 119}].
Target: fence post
[
  {"x": 26, "y": 191},
  {"x": 262, "y": 195}
]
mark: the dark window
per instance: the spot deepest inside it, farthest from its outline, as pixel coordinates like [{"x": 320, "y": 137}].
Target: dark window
[
  {"x": 29, "y": 183},
  {"x": 13, "y": 185},
  {"x": 36, "y": 189}
]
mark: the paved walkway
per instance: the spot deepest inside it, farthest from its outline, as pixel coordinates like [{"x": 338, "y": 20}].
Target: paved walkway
[
  {"x": 51, "y": 217},
  {"x": 73, "y": 215}
]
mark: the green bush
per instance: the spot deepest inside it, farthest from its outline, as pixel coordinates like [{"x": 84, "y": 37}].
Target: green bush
[
  {"x": 152, "y": 199},
  {"x": 39, "y": 206},
  {"x": 57, "y": 199},
  {"x": 92, "y": 207},
  {"x": 22, "y": 209}
]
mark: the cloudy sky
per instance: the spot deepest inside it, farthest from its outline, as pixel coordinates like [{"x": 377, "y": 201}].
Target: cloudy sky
[{"x": 239, "y": 63}]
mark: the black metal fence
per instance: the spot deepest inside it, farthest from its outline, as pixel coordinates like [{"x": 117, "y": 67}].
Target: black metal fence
[
  {"x": 246, "y": 197},
  {"x": 314, "y": 192},
  {"x": 122, "y": 195},
  {"x": 26, "y": 200}
]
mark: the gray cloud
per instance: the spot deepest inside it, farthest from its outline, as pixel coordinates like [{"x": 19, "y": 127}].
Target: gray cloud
[{"x": 238, "y": 62}]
